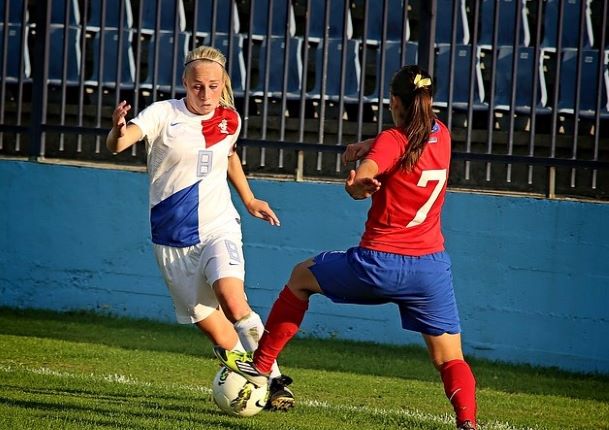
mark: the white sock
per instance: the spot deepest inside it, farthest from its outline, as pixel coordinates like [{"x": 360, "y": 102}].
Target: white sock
[
  {"x": 238, "y": 346},
  {"x": 250, "y": 331}
]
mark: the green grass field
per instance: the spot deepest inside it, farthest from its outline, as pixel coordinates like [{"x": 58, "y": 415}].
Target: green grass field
[{"x": 86, "y": 371}]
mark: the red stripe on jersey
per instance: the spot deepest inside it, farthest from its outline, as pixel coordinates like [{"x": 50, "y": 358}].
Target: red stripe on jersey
[
  {"x": 405, "y": 214},
  {"x": 224, "y": 123}
]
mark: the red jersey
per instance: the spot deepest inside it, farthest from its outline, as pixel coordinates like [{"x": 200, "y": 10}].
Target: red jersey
[{"x": 405, "y": 214}]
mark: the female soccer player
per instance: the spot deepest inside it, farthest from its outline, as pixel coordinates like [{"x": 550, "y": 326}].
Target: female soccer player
[
  {"x": 196, "y": 230},
  {"x": 401, "y": 256}
]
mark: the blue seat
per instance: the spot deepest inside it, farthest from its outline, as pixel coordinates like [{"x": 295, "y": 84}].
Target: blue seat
[
  {"x": 570, "y": 29},
  {"x": 112, "y": 14},
  {"x": 160, "y": 71},
  {"x": 504, "y": 79},
  {"x": 393, "y": 62},
  {"x": 444, "y": 21},
  {"x": 276, "y": 49},
  {"x": 336, "y": 20},
  {"x": 15, "y": 13},
  {"x": 394, "y": 25},
  {"x": 106, "y": 59},
  {"x": 17, "y": 46},
  {"x": 167, "y": 16},
  {"x": 461, "y": 80},
  {"x": 222, "y": 18},
  {"x": 589, "y": 79},
  {"x": 70, "y": 36},
  {"x": 283, "y": 13},
  {"x": 58, "y": 12},
  {"x": 332, "y": 77},
  {"x": 235, "y": 60},
  {"x": 508, "y": 12}
]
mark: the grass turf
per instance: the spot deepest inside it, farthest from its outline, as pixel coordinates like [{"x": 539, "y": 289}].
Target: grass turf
[{"x": 89, "y": 371}]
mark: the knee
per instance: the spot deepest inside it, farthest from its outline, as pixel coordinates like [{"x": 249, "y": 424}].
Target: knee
[
  {"x": 302, "y": 281},
  {"x": 234, "y": 308}
]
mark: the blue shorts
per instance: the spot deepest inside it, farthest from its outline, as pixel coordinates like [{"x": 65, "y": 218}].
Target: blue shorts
[{"x": 422, "y": 286}]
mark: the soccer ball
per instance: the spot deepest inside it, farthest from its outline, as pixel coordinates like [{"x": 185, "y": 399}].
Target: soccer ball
[{"x": 236, "y": 396}]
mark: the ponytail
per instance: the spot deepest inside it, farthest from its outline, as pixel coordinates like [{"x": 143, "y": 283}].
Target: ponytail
[{"x": 412, "y": 85}]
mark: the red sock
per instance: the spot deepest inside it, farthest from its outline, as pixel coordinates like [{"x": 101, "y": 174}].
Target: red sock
[
  {"x": 281, "y": 326},
  {"x": 460, "y": 388}
]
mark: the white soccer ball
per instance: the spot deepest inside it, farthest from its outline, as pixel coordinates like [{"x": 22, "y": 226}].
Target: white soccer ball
[{"x": 236, "y": 396}]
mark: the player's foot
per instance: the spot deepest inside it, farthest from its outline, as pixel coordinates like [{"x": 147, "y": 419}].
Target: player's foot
[
  {"x": 281, "y": 397},
  {"x": 242, "y": 363},
  {"x": 466, "y": 425}
]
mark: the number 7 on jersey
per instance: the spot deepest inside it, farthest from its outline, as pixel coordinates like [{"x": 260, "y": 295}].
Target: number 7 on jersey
[{"x": 426, "y": 177}]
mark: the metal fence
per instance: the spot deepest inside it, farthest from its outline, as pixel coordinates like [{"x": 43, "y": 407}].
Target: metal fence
[{"x": 523, "y": 85}]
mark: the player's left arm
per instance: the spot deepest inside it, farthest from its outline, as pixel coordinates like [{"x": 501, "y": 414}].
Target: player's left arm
[{"x": 258, "y": 208}]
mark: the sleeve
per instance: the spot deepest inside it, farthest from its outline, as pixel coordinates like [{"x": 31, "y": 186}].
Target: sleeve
[
  {"x": 387, "y": 150},
  {"x": 150, "y": 121}
]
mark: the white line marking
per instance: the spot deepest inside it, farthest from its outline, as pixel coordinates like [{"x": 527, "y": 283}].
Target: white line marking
[{"x": 127, "y": 380}]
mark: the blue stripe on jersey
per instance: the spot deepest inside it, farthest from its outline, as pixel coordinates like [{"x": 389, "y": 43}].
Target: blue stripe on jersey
[{"x": 175, "y": 220}]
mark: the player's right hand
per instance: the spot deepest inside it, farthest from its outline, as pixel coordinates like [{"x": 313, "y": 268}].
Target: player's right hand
[{"x": 118, "y": 117}]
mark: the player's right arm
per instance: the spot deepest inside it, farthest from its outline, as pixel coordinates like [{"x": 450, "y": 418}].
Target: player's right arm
[
  {"x": 122, "y": 135},
  {"x": 362, "y": 183}
]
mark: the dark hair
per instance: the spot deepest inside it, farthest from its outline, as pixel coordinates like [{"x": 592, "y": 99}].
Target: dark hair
[{"x": 413, "y": 86}]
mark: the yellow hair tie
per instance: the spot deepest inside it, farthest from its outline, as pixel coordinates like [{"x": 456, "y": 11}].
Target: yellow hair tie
[{"x": 421, "y": 82}]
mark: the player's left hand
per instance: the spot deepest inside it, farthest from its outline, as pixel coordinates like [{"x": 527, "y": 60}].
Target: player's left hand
[
  {"x": 361, "y": 188},
  {"x": 261, "y": 209}
]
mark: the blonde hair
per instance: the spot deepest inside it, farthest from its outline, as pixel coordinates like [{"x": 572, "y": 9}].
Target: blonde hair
[{"x": 207, "y": 53}]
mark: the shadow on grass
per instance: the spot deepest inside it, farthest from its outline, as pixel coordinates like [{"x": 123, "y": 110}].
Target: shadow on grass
[{"x": 406, "y": 362}]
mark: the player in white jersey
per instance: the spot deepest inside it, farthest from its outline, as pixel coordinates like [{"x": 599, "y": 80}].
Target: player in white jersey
[{"x": 195, "y": 227}]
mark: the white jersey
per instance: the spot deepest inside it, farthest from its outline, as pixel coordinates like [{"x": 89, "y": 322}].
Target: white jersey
[{"x": 187, "y": 168}]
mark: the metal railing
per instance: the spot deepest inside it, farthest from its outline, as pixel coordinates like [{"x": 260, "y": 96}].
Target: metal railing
[{"x": 527, "y": 107}]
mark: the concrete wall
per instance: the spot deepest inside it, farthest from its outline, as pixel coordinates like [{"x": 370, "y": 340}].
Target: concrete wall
[{"x": 531, "y": 275}]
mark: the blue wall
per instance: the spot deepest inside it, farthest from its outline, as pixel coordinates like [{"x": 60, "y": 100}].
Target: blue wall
[{"x": 531, "y": 275}]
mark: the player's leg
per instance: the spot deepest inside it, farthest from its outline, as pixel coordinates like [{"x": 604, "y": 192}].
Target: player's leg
[
  {"x": 286, "y": 315},
  {"x": 428, "y": 305},
  {"x": 220, "y": 331},
  {"x": 330, "y": 273},
  {"x": 282, "y": 324},
  {"x": 224, "y": 267},
  {"x": 457, "y": 377}
]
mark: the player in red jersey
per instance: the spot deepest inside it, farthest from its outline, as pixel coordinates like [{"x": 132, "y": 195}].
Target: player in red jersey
[{"x": 401, "y": 256}]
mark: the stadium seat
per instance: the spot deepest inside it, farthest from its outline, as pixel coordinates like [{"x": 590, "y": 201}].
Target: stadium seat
[
  {"x": 222, "y": 19},
  {"x": 394, "y": 24},
  {"x": 570, "y": 29},
  {"x": 460, "y": 79},
  {"x": 393, "y": 61},
  {"x": 277, "y": 63},
  {"x": 15, "y": 14},
  {"x": 444, "y": 21},
  {"x": 71, "y": 36},
  {"x": 112, "y": 14},
  {"x": 336, "y": 20},
  {"x": 523, "y": 82},
  {"x": 588, "y": 79},
  {"x": 167, "y": 16},
  {"x": 508, "y": 10},
  {"x": 283, "y": 13},
  {"x": 16, "y": 48},
  {"x": 235, "y": 60},
  {"x": 332, "y": 77},
  {"x": 160, "y": 72},
  {"x": 106, "y": 59},
  {"x": 58, "y": 12}
]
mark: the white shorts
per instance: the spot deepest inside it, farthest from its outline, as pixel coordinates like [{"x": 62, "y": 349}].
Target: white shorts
[{"x": 191, "y": 271}]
